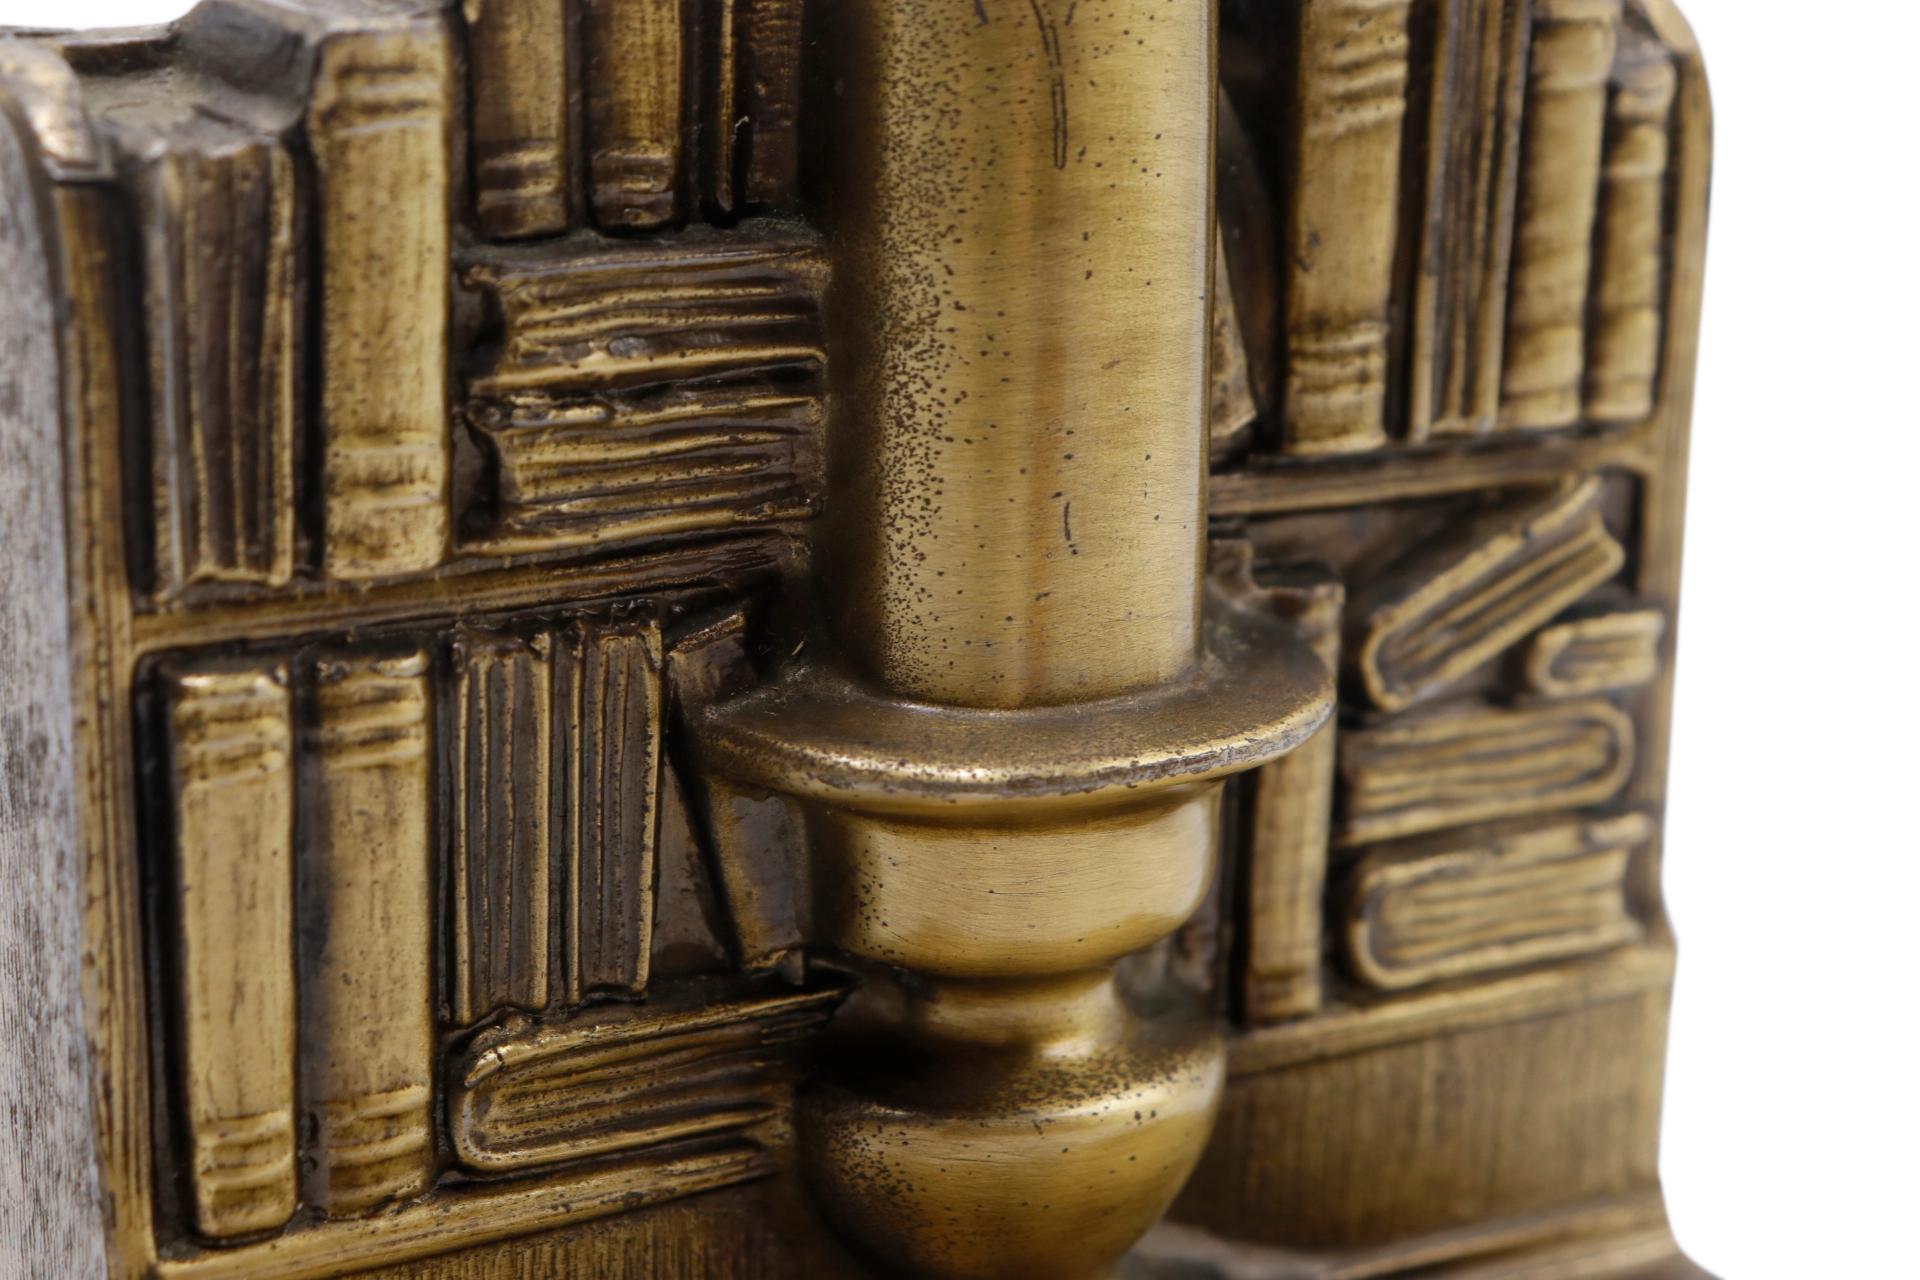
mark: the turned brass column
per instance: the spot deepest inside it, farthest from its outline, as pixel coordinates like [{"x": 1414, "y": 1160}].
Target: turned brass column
[
  {"x": 1021, "y": 237},
  {"x": 1010, "y": 769}
]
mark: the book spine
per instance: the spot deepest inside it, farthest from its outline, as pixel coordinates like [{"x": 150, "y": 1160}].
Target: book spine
[
  {"x": 636, "y": 111},
  {"x": 603, "y": 408},
  {"x": 231, "y": 739},
  {"x": 1292, "y": 814},
  {"x": 1344, "y": 222},
  {"x": 769, "y": 101},
  {"x": 1473, "y": 126},
  {"x": 517, "y": 59},
  {"x": 1573, "y": 46},
  {"x": 1623, "y": 350},
  {"x": 1595, "y": 654},
  {"x": 366, "y": 941},
  {"x": 502, "y": 877},
  {"x": 576, "y": 474},
  {"x": 379, "y": 129},
  {"x": 223, "y": 316},
  {"x": 612, "y": 756},
  {"x": 720, "y": 104}
]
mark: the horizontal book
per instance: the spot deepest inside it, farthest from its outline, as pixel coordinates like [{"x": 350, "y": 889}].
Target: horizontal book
[
  {"x": 573, "y": 472},
  {"x": 1481, "y": 902},
  {"x": 1595, "y": 654},
  {"x": 642, "y": 389},
  {"x": 618, "y": 317},
  {"x": 1453, "y": 606},
  {"x": 625, "y": 1079},
  {"x": 1453, "y": 766}
]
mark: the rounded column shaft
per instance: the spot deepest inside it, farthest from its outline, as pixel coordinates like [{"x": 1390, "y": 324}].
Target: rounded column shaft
[
  {"x": 1010, "y": 758},
  {"x": 1021, "y": 232}
]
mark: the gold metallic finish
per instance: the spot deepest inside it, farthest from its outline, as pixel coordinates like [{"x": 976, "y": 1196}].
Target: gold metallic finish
[
  {"x": 232, "y": 784},
  {"x": 367, "y": 1022},
  {"x": 1290, "y": 811},
  {"x": 1015, "y": 468},
  {"x": 1596, "y": 653},
  {"x": 1477, "y": 903},
  {"x": 759, "y": 638},
  {"x": 1012, "y": 780},
  {"x": 1255, "y": 693}
]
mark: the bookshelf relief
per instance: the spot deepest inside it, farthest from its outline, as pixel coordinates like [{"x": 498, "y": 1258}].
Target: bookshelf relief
[
  {"x": 506, "y": 913},
  {"x": 1469, "y": 202}
]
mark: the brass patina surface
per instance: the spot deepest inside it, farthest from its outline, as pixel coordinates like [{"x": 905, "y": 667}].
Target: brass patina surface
[{"x": 763, "y": 639}]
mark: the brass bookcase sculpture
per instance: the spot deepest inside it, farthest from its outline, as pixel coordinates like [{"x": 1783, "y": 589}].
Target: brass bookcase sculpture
[{"x": 746, "y": 638}]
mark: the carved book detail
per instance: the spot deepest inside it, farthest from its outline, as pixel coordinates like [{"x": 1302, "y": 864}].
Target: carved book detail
[
  {"x": 1291, "y": 809},
  {"x": 366, "y": 885},
  {"x": 1453, "y": 766},
  {"x": 503, "y": 870},
  {"x": 379, "y": 128},
  {"x": 630, "y": 317},
  {"x": 1344, "y": 219},
  {"x": 610, "y": 685},
  {"x": 690, "y": 104},
  {"x": 618, "y": 1080},
  {"x": 231, "y": 731},
  {"x": 765, "y": 111},
  {"x": 519, "y": 68},
  {"x": 1458, "y": 603},
  {"x": 573, "y": 472},
  {"x": 223, "y": 309},
  {"x": 1596, "y": 653},
  {"x": 557, "y": 786},
  {"x": 1623, "y": 350},
  {"x": 636, "y": 110},
  {"x": 1477, "y": 79},
  {"x": 1475, "y": 903},
  {"x": 1573, "y": 44},
  {"x": 649, "y": 390}
]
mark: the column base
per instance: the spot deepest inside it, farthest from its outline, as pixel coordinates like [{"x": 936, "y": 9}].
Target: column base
[{"x": 1017, "y": 1164}]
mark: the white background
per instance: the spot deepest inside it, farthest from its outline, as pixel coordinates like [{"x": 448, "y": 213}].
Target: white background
[
  {"x": 1793, "y": 866},
  {"x": 1793, "y": 1100}
]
